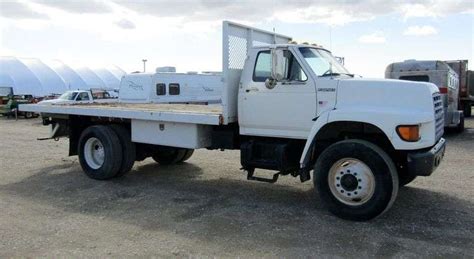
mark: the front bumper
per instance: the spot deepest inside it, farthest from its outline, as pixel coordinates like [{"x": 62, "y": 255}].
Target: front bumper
[{"x": 424, "y": 163}]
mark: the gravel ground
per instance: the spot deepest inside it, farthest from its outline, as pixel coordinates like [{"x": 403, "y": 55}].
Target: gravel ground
[{"x": 206, "y": 207}]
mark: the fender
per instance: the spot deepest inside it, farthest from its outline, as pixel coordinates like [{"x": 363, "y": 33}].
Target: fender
[
  {"x": 385, "y": 119},
  {"x": 318, "y": 124}
]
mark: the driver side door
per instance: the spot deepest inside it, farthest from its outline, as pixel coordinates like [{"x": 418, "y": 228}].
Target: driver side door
[{"x": 287, "y": 109}]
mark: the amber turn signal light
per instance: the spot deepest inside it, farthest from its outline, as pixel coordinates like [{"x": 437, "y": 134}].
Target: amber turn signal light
[{"x": 410, "y": 133}]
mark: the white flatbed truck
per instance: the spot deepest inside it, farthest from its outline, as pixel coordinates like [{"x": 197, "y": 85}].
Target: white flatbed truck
[{"x": 289, "y": 108}]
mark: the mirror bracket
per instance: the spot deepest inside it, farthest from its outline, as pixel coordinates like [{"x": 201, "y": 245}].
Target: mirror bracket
[{"x": 270, "y": 83}]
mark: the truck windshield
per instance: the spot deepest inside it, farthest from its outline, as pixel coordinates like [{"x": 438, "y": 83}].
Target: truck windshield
[
  {"x": 322, "y": 62},
  {"x": 68, "y": 96}
]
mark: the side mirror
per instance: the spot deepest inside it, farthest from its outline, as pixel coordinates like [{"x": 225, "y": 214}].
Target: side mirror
[
  {"x": 270, "y": 83},
  {"x": 278, "y": 64}
]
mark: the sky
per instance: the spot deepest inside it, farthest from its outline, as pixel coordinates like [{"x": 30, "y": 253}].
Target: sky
[{"x": 369, "y": 34}]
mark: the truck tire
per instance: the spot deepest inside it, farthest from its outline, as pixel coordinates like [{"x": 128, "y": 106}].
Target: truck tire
[
  {"x": 189, "y": 153},
  {"x": 128, "y": 149},
  {"x": 100, "y": 152},
  {"x": 460, "y": 127},
  {"x": 169, "y": 155},
  {"x": 404, "y": 179},
  {"x": 28, "y": 115},
  {"x": 356, "y": 180},
  {"x": 467, "y": 109}
]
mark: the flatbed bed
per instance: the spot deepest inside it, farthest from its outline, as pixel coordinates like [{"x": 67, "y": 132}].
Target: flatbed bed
[{"x": 182, "y": 113}]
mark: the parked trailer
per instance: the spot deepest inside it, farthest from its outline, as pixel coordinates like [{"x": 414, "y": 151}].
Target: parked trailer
[
  {"x": 438, "y": 73},
  {"x": 466, "y": 91},
  {"x": 289, "y": 108}
]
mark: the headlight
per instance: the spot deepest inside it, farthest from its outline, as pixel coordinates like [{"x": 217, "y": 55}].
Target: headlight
[{"x": 410, "y": 133}]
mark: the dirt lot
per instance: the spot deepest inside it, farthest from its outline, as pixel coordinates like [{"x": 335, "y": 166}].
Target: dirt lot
[{"x": 205, "y": 207}]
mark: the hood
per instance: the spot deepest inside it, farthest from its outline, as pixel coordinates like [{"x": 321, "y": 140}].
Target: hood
[{"x": 386, "y": 94}]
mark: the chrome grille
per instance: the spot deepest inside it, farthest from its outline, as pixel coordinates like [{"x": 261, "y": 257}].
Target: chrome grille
[{"x": 439, "y": 115}]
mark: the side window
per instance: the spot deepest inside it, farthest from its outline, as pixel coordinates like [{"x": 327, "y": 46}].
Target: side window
[
  {"x": 294, "y": 72},
  {"x": 83, "y": 97},
  {"x": 174, "y": 89},
  {"x": 263, "y": 66},
  {"x": 160, "y": 89}
]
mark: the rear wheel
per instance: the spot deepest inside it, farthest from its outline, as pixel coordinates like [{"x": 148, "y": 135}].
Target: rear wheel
[
  {"x": 100, "y": 152},
  {"x": 169, "y": 155},
  {"x": 356, "y": 180},
  {"x": 128, "y": 149},
  {"x": 28, "y": 115},
  {"x": 467, "y": 110},
  {"x": 460, "y": 126},
  {"x": 189, "y": 153}
]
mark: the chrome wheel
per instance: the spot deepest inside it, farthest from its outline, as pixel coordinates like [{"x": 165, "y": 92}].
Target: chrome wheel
[
  {"x": 351, "y": 181},
  {"x": 94, "y": 153}
]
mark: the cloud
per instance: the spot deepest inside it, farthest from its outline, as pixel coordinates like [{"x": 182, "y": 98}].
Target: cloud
[
  {"x": 75, "y": 6},
  {"x": 420, "y": 31},
  {"x": 373, "y": 38},
  {"x": 17, "y": 10},
  {"x": 329, "y": 12},
  {"x": 302, "y": 11},
  {"x": 435, "y": 8},
  {"x": 125, "y": 24}
]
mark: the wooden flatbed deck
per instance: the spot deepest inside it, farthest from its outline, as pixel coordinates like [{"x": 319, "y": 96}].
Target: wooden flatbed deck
[{"x": 184, "y": 113}]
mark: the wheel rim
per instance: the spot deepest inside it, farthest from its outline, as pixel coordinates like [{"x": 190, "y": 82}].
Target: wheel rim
[
  {"x": 351, "y": 181},
  {"x": 94, "y": 153}
]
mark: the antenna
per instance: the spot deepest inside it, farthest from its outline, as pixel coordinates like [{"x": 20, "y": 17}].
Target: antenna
[
  {"x": 274, "y": 36},
  {"x": 330, "y": 38}
]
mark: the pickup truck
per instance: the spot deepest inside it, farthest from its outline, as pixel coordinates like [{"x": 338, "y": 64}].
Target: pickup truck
[
  {"x": 289, "y": 108},
  {"x": 79, "y": 96}
]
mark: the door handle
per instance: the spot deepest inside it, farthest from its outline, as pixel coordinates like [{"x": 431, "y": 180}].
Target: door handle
[{"x": 252, "y": 89}]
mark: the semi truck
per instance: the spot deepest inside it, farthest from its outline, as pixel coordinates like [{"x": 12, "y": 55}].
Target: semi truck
[
  {"x": 442, "y": 75},
  {"x": 291, "y": 109},
  {"x": 466, "y": 89}
]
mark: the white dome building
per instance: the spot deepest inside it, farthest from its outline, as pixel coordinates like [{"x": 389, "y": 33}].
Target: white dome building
[
  {"x": 29, "y": 76},
  {"x": 24, "y": 81},
  {"x": 72, "y": 80},
  {"x": 50, "y": 81}
]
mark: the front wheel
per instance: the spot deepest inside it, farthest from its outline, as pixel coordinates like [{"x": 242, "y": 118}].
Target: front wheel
[
  {"x": 460, "y": 126},
  {"x": 356, "y": 180}
]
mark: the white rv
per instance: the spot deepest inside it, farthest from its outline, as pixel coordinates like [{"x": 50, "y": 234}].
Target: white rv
[{"x": 169, "y": 87}]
